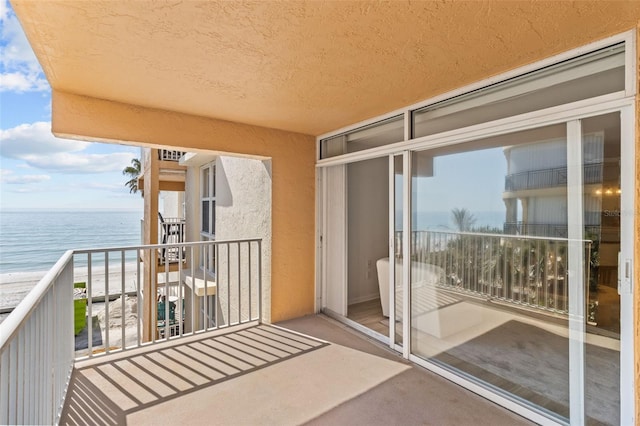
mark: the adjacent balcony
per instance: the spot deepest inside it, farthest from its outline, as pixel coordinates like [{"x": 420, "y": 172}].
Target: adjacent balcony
[{"x": 549, "y": 178}]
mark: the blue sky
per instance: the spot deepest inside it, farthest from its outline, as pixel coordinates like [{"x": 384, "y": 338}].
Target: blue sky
[{"x": 38, "y": 170}]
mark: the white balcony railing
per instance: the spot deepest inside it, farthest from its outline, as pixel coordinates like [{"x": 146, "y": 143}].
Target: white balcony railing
[
  {"x": 36, "y": 350},
  {"x": 37, "y": 343},
  {"x": 169, "y": 155},
  {"x": 518, "y": 270}
]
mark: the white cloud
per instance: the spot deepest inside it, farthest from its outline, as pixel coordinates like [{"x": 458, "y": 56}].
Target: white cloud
[
  {"x": 20, "y": 70},
  {"x": 80, "y": 163},
  {"x": 35, "y": 139},
  {"x": 38, "y": 148},
  {"x": 8, "y": 177},
  {"x": 22, "y": 82}
]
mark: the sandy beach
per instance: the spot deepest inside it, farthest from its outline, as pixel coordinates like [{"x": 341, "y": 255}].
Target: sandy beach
[{"x": 14, "y": 286}]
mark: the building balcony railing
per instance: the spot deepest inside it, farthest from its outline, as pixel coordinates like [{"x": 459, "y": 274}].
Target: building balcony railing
[
  {"x": 171, "y": 232},
  {"x": 168, "y": 155},
  {"x": 521, "y": 271},
  {"x": 549, "y": 178},
  {"x": 124, "y": 306}
]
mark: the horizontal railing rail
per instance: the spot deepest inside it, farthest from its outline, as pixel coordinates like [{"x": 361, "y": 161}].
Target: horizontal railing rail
[
  {"x": 36, "y": 350},
  {"x": 558, "y": 230},
  {"x": 547, "y": 178},
  {"x": 127, "y": 300},
  {"x": 519, "y": 270}
]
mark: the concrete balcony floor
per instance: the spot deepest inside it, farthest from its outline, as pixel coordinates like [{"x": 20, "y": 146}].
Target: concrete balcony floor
[{"x": 265, "y": 375}]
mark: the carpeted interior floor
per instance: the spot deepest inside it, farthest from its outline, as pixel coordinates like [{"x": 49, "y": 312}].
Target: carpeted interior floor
[{"x": 532, "y": 363}]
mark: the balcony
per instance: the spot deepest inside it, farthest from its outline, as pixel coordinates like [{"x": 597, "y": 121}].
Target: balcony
[
  {"x": 168, "y": 155},
  {"x": 550, "y": 178},
  {"x": 218, "y": 362}
]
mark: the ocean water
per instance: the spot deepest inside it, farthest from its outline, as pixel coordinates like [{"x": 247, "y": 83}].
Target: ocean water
[{"x": 33, "y": 240}]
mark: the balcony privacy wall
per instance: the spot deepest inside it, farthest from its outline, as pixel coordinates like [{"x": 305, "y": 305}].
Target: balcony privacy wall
[{"x": 293, "y": 177}]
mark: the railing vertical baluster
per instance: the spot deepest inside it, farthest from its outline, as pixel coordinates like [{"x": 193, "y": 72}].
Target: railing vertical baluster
[
  {"x": 138, "y": 300},
  {"x": 205, "y": 301},
  {"x": 20, "y": 378},
  {"x": 216, "y": 260},
  {"x": 153, "y": 295},
  {"x": 180, "y": 308},
  {"x": 122, "y": 295},
  {"x": 228, "y": 285},
  {"x": 4, "y": 387},
  {"x": 167, "y": 302},
  {"x": 13, "y": 382},
  {"x": 89, "y": 307},
  {"x": 193, "y": 292},
  {"x": 239, "y": 287},
  {"x": 33, "y": 365},
  {"x": 49, "y": 369},
  {"x": 37, "y": 348},
  {"x": 250, "y": 279},
  {"x": 106, "y": 302},
  {"x": 508, "y": 290},
  {"x": 260, "y": 280},
  {"x": 565, "y": 287},
  {"x": 538, "y": 274}
]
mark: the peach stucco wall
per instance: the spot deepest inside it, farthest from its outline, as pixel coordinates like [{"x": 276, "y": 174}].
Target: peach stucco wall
[{"x": 293, "y": 175}]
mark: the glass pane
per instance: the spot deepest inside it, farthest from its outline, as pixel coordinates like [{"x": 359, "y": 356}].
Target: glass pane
[
  {"x": 601, "y": 198},
  {"x": 368, "y": 244},
  {"x": 205, "y": 216},
  {"x": 334, "y": 146},
  {"x": 488, "y": 263},
  {"x": 591, "y": 75},
  {"x": 205, "y": 182},
  {"x": 399, "y": 223},
  {"x": 381, "y": 133}
]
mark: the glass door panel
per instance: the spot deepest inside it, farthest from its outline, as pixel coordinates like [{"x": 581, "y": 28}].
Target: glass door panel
[
  {"x": 489, "y": 263},
  {"x": 602, "y": 190},
  {"x": 368, "y": 243}
]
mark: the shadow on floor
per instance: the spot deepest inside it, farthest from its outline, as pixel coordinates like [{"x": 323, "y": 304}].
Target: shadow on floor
[{"x": 108, "y": 391}]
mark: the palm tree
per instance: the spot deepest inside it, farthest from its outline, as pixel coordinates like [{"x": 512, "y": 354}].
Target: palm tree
[
  {"x": 463, "y": 219},
  {"x": 133, "y": 171}
]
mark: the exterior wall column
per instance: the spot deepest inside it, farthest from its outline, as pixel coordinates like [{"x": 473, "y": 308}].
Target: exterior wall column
[{"x": 151, "y": 193}]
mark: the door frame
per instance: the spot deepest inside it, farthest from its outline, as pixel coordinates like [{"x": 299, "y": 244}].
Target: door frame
[{"x": 555, "y": 115}]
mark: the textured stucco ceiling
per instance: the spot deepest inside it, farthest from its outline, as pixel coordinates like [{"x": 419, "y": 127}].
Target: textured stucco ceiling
[{"x": 307, "y": 67}]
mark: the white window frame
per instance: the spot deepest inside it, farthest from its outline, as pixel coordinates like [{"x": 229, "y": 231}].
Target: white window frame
[{"x": 210, "y": 199}]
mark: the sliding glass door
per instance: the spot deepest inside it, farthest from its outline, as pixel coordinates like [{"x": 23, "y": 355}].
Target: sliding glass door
[{"x": 513, "y": 275}]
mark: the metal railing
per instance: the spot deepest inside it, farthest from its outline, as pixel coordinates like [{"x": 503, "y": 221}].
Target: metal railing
[
  {"x": 551, "y": 230},
  {"x": 519, "y": 270},
  {"x": 130, "y": 302},
  {"x": 547, "y": 178},
  {"x": 168, "y": 155},
  {"x": 171, "y": 232},
  {"x": 36, "y": 350}
]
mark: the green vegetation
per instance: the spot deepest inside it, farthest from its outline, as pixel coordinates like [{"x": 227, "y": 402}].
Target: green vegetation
[
  {"x": 79, "y": 310},
  {"x": 133, "y": 171}
]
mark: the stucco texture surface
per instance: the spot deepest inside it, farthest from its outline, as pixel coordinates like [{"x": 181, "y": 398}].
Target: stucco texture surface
[{"x": 307, "y": 67}]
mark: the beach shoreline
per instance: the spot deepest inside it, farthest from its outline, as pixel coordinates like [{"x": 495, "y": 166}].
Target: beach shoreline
[{"x": 14, "y": 286}]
